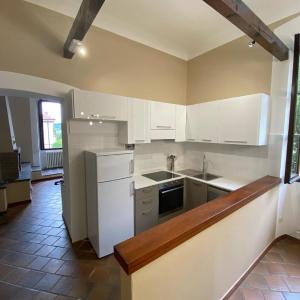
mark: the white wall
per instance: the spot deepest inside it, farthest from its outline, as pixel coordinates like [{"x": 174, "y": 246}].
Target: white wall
[
  {"x": 7, "y": 136},
  {"x": 20, "y": 113},
  {"x": 288, "y": 219}
]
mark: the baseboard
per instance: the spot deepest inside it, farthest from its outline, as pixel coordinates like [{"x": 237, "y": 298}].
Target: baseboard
[{"x": 257, "y": 260}]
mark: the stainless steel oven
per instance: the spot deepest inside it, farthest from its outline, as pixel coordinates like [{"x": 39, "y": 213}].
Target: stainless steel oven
[{"x": 171, "y": 198}]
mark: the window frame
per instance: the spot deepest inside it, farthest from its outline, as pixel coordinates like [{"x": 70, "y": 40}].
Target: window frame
[
  {"x": 288, "y": 178},
  {"x": 41, "y": 128}
]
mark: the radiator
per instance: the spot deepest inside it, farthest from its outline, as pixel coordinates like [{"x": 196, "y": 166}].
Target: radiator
[{"x": 52, "y": 159}]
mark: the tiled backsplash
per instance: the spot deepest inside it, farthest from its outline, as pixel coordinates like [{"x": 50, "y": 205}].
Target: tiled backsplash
[
  {"x": 153, "y": 156},
  {"x": 247, "y": 162}
]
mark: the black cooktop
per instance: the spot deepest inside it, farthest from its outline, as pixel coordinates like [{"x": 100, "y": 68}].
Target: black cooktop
[{"x": 161, "y": 175}]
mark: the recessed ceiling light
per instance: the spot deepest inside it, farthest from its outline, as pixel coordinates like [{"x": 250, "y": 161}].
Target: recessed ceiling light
[{"x": 91, "y": 123}]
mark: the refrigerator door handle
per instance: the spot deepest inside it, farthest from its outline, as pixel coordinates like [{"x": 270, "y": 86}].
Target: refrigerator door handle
[
  {"x": 132, "y": 188},
  {"x": 131, "y": 166}
]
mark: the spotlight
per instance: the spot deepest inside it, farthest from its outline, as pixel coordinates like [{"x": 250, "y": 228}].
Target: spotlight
[
  {"x": 251, "y": 44},
  {"x": 76, "y": 46}
]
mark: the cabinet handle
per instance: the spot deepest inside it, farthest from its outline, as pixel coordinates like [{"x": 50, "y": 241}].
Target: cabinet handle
[
  {"x": 147, "y": 202},
  {"x": 107, "y": 117},
  {"x": 131, "y": 167},
  {"x": 160, "y": 126},
  {"x": 94, "y": 116},
  {"x": 148, "y": 212},
  {"x": 205, "y": 140},
  {"x": 236, "y": 142}
]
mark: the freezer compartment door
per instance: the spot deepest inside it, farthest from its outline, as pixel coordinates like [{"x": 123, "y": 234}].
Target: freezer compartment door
[
  {"x": 116, "y": 213},
  {"x": 113, "y": 167}
]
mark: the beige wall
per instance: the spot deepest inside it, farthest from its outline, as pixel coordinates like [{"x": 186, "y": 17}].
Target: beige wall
[
  {"x": 208, "y": 265},
  {"x": 34, "y": 38},
  {"x": 231, "y": 70}
]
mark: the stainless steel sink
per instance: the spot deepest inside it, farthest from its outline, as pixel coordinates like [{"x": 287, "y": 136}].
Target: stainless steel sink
[
  {"x": 198, "y": 174},
  {"x": 206, "y": 176}
]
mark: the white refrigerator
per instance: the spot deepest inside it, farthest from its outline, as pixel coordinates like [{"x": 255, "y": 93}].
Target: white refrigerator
[{"x": 110, "y": 198}]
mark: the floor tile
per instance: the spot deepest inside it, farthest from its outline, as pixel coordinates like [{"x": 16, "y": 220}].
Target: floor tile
[
  {"x": 47, "y": 282},
  {"x": 293, "y": 284},
  {"x": 271, "y": 295},
  {"x": 276, "y": 283}
]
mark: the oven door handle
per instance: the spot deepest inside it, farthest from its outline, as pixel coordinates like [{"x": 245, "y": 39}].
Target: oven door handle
[{"x": 171, "y": 190}]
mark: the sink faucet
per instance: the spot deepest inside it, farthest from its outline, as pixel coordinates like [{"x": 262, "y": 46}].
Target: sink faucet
[
  {"x": 204, "y": 167},
  {"x": 172, "y": 158}
]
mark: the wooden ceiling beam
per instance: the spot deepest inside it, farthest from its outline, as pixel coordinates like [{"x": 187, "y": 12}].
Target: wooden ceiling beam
[
  {"x": 239, "y": 14},
  {"x": 84, "y": 19}
]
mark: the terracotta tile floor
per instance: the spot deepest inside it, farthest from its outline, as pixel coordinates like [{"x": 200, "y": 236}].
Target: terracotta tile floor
[
  {"x": 276, "y": 276},
  {"x": 37, "y": 260}
]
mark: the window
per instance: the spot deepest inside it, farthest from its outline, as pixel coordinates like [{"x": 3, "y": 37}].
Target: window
[
  {"x": 292, "y": 171},
  {"x": 50, "y": 124}
]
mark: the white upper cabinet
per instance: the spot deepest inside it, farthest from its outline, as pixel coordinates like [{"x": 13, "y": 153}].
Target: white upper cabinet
[
  {"x": 203, "y": 122},
  {"x": 192, "y": 123},
  {"x": 162, "y": 115},
  {"x": 137, "y": 130},
  {"x": 163, "y": 121},
  {"x": 208, "y": 122},
  {"x": 180, "y": 123},
  {"x": 93, "y": 105},
  {"x": 241, "y": 121},
  {"x": 245, "y": 120}
]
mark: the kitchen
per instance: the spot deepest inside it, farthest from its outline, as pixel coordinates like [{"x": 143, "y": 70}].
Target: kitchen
[
  {"x": 168, "y": 157},
  {"x": 174, "y": 143}
]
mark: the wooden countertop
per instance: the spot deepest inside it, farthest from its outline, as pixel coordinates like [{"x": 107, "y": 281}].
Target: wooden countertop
[{"x": 142, "y": 249}]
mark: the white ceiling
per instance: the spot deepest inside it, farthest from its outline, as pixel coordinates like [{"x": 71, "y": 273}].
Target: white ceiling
[{"x": 181, "y": 28}]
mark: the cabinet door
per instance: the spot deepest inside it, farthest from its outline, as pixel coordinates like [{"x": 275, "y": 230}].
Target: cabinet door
[
  {"x": 208, "y": 122},
  {"x": 162, "y": 115},
  {"x": 146, "y": 208},
  {"x": 192, "y": 123},
  {"x": 92, "y": 105},
  {"x": 196, "y": 193},
  {"x": 240, "y": 120},
  {"x": 180, "y": 123},
  {"x": 140, "y": 121}
]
